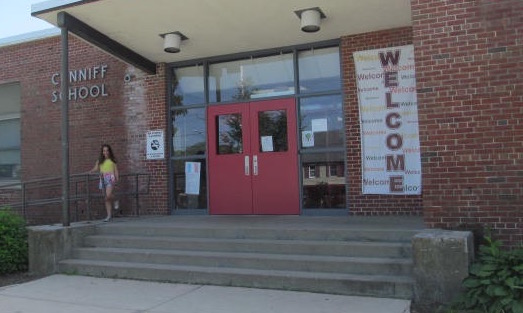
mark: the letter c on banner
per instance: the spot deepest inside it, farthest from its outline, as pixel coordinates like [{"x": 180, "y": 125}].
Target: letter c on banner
[{"x": 393, "y": 120}]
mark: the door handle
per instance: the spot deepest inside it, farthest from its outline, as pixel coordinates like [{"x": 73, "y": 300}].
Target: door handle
[
  {"x": 255, "y": 165},
  {"x": 246, "y": 166}
]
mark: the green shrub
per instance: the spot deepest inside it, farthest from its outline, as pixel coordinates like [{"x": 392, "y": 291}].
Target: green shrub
[
  {"x": 13, "y": 243},
  {"x": 495, "y": 284}
]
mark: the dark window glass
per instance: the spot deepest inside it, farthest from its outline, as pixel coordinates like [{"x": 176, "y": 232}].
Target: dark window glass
[
  {"x": 321, "y": 190},
  {"x": 229, "y": 132},
  {"x": 272, "y": 127}
]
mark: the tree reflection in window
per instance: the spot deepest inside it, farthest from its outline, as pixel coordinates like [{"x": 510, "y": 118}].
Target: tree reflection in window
[
  {"x": 274, "y": 125},
  {"x": 229, "y": 134}
]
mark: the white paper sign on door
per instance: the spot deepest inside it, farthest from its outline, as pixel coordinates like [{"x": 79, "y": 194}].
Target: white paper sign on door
[
  {"x": 192, "y": 178},
  {"x": 267, "y": 145}
]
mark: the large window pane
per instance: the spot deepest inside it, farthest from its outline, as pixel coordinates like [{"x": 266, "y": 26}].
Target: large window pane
[
  {"x": 9, "y": 134},
  {"x": 9, "y": 131},
  {"x": 190, "y": 184},
  {"x": 319, "y": 70},
  {"x": 321, "y": 122},
  {"x": 323, "y": 177},
  {"x": 189, "y": 132},
  {"x": 251, "y": 78},
  {"x": 188, "y": 86}
]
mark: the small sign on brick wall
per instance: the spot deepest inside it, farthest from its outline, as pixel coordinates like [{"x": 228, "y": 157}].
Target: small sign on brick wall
[{"x": 155, "y": 145}]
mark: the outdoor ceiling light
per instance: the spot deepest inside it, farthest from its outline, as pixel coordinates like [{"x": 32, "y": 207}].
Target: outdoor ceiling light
[
  {"x": 172, "y": 41},
  {"x": 310, "y": 19}
]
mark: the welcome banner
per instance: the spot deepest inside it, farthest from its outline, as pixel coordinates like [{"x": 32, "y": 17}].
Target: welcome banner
[{"x": 386, "y": 81}]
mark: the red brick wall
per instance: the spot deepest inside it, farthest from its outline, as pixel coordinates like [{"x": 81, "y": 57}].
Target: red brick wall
[
  {"x": 121, "y": 119},
  {"x": 469, "y": 67},
  {"x": 358, "y": 203}
]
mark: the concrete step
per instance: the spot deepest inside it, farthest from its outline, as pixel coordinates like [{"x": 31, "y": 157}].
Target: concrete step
[
  {"x": 301, "y": 247},
  {"x": 242, "y": 260},
  {"x": 333, "y": 283},
  {"x": 368, "y": 233}
]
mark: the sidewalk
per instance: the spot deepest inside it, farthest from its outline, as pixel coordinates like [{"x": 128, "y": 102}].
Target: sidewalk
[{"x": 80, "y": 294}]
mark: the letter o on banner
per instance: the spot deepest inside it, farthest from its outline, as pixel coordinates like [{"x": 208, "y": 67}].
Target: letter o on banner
[{"x": 394, "y": 141}]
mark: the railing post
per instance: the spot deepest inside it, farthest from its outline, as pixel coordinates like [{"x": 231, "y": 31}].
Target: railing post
[
  {"x": 88, "y": 196},
  {"x": 136, "y": 194},
  {"x": 24, "y": 211}
]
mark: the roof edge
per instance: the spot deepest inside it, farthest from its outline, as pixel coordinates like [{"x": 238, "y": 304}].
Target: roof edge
[
  {"x": 53, "y": 5},
  {"x": 27, "y": 37}
]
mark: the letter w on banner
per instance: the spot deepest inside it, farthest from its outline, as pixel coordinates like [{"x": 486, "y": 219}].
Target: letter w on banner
[{"x": 390, "y": 148}]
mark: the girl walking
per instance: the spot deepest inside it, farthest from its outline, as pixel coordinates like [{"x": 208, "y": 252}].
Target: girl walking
[{"x": 106, "y": 165}]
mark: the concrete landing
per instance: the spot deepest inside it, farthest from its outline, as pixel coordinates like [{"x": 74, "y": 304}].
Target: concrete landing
[{"x": 79, "y": 294}]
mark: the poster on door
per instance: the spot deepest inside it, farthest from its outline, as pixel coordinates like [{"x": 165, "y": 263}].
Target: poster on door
[
  {"x": 155, "y": 145},
  {"x": 192, "y": 178},
  {"x": 390, "y": 149}
]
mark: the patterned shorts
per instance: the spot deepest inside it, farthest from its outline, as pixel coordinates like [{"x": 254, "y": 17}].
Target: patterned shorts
[{"x": 106, "y": 180}]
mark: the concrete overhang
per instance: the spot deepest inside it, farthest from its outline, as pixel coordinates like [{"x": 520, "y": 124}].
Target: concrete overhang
[{"x": 216, "y": 27}]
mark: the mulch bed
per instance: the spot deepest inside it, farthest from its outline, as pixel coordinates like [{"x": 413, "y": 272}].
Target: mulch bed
[{"x": 17, "y": 278}]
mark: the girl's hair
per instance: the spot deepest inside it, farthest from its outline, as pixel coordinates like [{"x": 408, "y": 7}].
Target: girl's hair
[{"x": 101, "y": 158}]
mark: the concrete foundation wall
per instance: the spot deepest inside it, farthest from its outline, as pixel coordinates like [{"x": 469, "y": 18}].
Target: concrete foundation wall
[{"x": 51, "y": 243}]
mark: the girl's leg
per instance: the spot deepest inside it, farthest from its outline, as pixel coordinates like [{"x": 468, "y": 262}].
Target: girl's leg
[{"x": 108, "y": 201}]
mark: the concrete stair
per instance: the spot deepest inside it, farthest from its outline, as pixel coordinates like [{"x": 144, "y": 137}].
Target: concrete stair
[{"x": 366, "y": 260}]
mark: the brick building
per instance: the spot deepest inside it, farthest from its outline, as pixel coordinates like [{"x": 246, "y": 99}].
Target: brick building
[{"x": 468, "y": 74}]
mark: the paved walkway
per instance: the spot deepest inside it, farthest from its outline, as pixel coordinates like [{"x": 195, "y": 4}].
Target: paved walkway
[{"x": 79, "y": 294}]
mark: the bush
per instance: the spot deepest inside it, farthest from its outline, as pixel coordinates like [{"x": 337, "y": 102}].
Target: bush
[
  {"x": 13, "y": 243},
  {"x": 495, "y": 284}
]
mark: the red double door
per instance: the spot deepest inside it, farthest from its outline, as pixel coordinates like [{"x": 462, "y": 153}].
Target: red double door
[{"x": 253, "y": 166}]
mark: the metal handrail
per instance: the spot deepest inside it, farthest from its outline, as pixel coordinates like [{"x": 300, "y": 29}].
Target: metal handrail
[{"x": 81, "y": 185}]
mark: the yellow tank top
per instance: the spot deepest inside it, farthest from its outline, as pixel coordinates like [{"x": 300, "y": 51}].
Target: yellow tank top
[{"x": 107, "y": 166}]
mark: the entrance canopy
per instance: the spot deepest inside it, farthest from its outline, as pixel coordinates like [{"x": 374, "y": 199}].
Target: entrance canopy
[{"x": 132, "y": 29}]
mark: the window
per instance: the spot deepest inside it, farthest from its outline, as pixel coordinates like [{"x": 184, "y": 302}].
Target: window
[
  {"x": 272, "y": 126},
  {"x": 230, "y": 135},
  {"x": 333, "y": 170},
  {"x": 321, "y": 122},
  {"x": 323, "y": 188},
  {"x": 311, "y": 171},
  {"x": 319, "y": 70},
  {"x": 188, "y": 131},
  {"x": 188, "y": 86},
  {"x": 9, "y": 132},
  {"x": 251, "y": 78}
]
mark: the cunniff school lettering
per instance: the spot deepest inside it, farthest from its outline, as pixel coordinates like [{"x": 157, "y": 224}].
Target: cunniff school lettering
[{"x": 83, "y": 75}]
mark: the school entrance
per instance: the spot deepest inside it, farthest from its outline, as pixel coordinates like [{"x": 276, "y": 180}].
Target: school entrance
[
  {"x": 260, "y": 133},
  {"x": 253, "y": 164}
]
